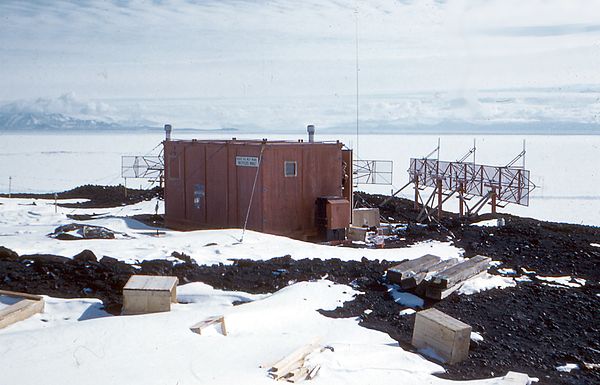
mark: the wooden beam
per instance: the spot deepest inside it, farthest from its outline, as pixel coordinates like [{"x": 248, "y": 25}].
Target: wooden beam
[
  {"x": 21, "y": 295},
  {"x": 407, "y": 269},
  {"x": 292, "y": 361},
  {"x": 418, "y": 278},
  {"x": 461, "y": 271},
  {"x": 439, "y": 293}
]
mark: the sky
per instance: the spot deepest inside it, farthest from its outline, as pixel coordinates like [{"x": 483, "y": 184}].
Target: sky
[{"x": 277, "y": 63}]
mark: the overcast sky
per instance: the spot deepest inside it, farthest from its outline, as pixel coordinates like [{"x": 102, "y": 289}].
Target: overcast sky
[{"x": 286, "y": 49}]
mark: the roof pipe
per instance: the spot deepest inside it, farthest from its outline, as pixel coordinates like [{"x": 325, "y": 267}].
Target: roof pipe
[
  {"x": 311, "y": 133},
  {"x": 168, "y": 129}
]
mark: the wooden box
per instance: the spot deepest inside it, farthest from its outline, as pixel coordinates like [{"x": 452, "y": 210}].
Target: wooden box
[
  {"x": 365, "y": 217},
  {"x": 448, "y": 337},
  {"x": 149, "y": 294}
]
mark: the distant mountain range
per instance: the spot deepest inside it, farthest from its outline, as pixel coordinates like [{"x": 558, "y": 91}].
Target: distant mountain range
[
  {"x": 19, "y": 121},
  {"x": 41, "y": 121}
]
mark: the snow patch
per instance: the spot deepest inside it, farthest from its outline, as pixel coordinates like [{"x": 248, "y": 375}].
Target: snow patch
[
  {"x": 407, "y": 311},
  {"x": 567, "y": 368},
  {"x": 486, "y": 223},
  {"x": 404, "y": 298},
  {"x": 485, "y": 282},
  {"x": 566, "y": 280},
  {"x": 507, "y": 271}
]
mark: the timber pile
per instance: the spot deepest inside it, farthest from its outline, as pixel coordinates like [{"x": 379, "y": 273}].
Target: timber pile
[
  {"x": 295, "y": 366},
  {"x": 434, "y": 278}
]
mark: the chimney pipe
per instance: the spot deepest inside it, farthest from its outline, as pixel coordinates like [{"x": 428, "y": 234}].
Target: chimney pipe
[
  {"x": 311, "y": 133},
  {"x": 168, "y": 132}
]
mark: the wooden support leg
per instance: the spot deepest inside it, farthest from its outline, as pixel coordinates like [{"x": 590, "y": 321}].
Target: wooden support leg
[
  {"x": 440, "y": 198},
  {"x": 416, "y": 194},
  {"x": 461, "y": 201}
]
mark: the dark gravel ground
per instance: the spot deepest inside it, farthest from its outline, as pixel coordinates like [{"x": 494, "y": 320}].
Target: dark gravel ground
[
  {"x": 530, "y": 328},
  {"x": 99, "y": 196}
]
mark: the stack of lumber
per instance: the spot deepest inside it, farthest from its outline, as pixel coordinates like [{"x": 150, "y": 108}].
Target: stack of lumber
[
  {"x": 448, "y": 281},
  {"x": 294, "y": 367},
  {"x": 434, "y": 277}
]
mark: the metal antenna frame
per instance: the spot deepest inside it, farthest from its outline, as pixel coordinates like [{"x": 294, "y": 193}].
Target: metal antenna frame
[{"x": 499, "y": 184}]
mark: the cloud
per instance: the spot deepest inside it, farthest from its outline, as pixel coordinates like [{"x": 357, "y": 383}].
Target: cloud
[
  {"x": 262, "y": 51},
  {"x": 67, "y": 104},
  {"x": 547, "y": 30}
]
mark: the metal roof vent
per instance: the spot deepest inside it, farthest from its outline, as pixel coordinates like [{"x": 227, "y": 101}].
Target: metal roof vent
[{"x": 311, "y": 133}]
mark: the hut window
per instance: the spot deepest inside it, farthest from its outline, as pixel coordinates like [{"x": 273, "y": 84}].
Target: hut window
[{"x": 290, "y": 168}]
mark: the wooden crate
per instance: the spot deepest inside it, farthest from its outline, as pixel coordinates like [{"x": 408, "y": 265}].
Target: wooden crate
[
  {"x": 448, "y": 337},
  {"x": 365, "y": 217},
  {"x": 149, "y": 294}
]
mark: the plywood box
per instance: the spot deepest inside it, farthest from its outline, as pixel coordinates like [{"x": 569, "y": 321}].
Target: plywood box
[
  {"x": 365, "y": 217},
  {"x": 149, "y": 294},
  {"x": 448, "y": 337}
]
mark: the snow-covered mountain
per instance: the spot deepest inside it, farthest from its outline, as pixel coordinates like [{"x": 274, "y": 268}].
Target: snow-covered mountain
[{"x": 26, "y": 120}]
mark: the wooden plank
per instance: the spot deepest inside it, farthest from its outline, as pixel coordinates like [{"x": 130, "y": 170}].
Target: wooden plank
[
  {"x": 461, "y": 272},
  {"x": 439, "y": 293},
  {"x": 197, "y": 328},
  {"x": 415, "y": 280},
  {"x": 410, "y": 268},
  {"x": 313, "y": 372},
  {"x": 20, "y": 311},
  {"x": 298, "y": 375},
  {"x": 21, "y": 295},
  {"x": 283, "y": 366}
]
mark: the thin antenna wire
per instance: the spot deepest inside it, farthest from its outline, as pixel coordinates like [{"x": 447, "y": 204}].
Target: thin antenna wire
[
  {"x": 356, "y": 63},
  {"x": 262, "y": 148}
]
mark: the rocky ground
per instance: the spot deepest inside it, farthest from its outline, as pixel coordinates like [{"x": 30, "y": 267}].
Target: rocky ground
[{"x": 533, "y": 327}]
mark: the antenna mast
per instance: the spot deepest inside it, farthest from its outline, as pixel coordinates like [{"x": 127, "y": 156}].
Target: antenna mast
[{"x": 356, "y": 64}]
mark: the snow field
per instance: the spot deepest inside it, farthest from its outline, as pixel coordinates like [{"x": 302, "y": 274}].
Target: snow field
[
  {"x": 23, "y": 228},
  {"x": 160, "y": 349}
]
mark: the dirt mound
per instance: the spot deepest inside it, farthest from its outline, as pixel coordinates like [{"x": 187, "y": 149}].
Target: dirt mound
[{"x": 99, "y": 196}]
